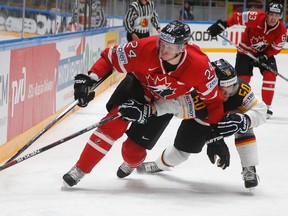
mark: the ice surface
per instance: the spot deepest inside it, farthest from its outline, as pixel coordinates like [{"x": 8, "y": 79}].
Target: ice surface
[{"x": 196, "y": 187}]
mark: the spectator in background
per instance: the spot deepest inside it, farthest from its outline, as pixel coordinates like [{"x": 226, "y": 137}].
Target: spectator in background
[
  {"x": 138, "y": 19},
  {"x": 187, "y": 15}
]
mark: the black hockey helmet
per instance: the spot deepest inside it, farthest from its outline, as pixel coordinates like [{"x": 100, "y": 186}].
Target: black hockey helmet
[
  {"x": 275, "y": 8},
  {"x": 226, "y": 74},
  {"x": 176, "y": 32}
]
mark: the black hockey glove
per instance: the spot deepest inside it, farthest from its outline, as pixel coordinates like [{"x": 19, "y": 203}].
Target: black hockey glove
[
  {"x": 217, "y": 28},
  {"x": 233, "y": 123},
  {"x": 83, "y": 89},
  {"x": 262, "y": 58},
  {"x": 134, "y": 111},
  {"x": 217, "y": 147}
]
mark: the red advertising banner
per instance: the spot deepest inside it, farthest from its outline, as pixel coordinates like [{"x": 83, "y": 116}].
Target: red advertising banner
[{"x": 33, "y": 78}]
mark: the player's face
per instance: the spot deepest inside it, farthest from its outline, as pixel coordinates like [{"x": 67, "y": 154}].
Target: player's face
[
  {"x": 226, "y": 91},
  {"x": 168, "y": 51},
  {"x": 272, "y": 18}
]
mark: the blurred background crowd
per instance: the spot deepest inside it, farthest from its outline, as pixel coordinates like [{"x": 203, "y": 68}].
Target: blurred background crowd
[{"x": 26, "y": 18}]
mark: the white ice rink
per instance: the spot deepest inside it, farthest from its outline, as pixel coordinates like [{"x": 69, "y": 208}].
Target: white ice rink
[{"x": 32, "y": 188}]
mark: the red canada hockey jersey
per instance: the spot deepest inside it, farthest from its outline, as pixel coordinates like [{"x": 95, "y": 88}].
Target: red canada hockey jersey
[
  {"x": 141, "y": 58},
  {"x": 258, "y": 37}
]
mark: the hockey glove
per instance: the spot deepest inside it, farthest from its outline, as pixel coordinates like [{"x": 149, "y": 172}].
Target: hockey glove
[
  {"x": 233, "y": 123},
  {"x": 262, "y": 58},
  {"x": 217, "y": 28},
  {"x": 217, "y": 147},
  {"x": 83, "y": 89},
  {"x": 134, "y": 111}
]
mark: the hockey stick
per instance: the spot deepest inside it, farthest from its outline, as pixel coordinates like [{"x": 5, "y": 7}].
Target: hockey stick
[
  {"x": 56, "y": 143},
  {"x": 44, "y": 130},
  {"x": 254, "y": 58}
]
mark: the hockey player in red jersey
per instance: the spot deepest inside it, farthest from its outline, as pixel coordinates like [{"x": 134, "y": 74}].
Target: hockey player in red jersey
[
  {"x": 264, "y": 37},
  {"x": 160, "y": 67},
  {"x": 244, "y": 111}
]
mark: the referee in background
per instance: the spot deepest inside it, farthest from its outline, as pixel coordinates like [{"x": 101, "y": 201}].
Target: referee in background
[{"x": 138, "y": 19}]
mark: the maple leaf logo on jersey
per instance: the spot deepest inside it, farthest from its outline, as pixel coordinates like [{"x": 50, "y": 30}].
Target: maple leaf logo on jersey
[
  {"x": 160, "y": 86},
  {"x": 258, "y": 43}
]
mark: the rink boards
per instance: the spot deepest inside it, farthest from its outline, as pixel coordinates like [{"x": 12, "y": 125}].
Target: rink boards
[{"x": 37, "y": 77}]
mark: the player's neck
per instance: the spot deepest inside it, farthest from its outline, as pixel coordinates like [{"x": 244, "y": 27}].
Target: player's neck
[
  {"x": 176, "y": 60},
  {"x": 169, "y": 67}
]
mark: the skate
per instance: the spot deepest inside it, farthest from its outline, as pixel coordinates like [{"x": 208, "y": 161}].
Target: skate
[
  {"x": 124, "y": 170},
  {"x": 149, "y": 168},
  {"x": 72, "y": 177},
  {"x": 250, "y": 178},
  {"x": 269, "y": 113}
]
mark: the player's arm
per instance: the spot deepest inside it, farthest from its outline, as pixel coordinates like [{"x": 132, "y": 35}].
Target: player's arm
[
  {"x": 247, "y": 18},
  {"x": 111, "y": 58},
  {"x": 185, "y": 106},
  {"x": 121, "y": 57},
  {"x": 251, "y": 113},
  {"x": 255, "y": 109},
  {"x": 210, "y": 94},
  {"x": 83, "y": 84},
  {"x": 219, "y": 26},
  {"x": 191, "y": 106},
  {"x": 101, "y": 67},
  {"x": 277, "y": 45},
  {"x": 251, "y": 105},
  {"x": 241, "y": 18}
]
